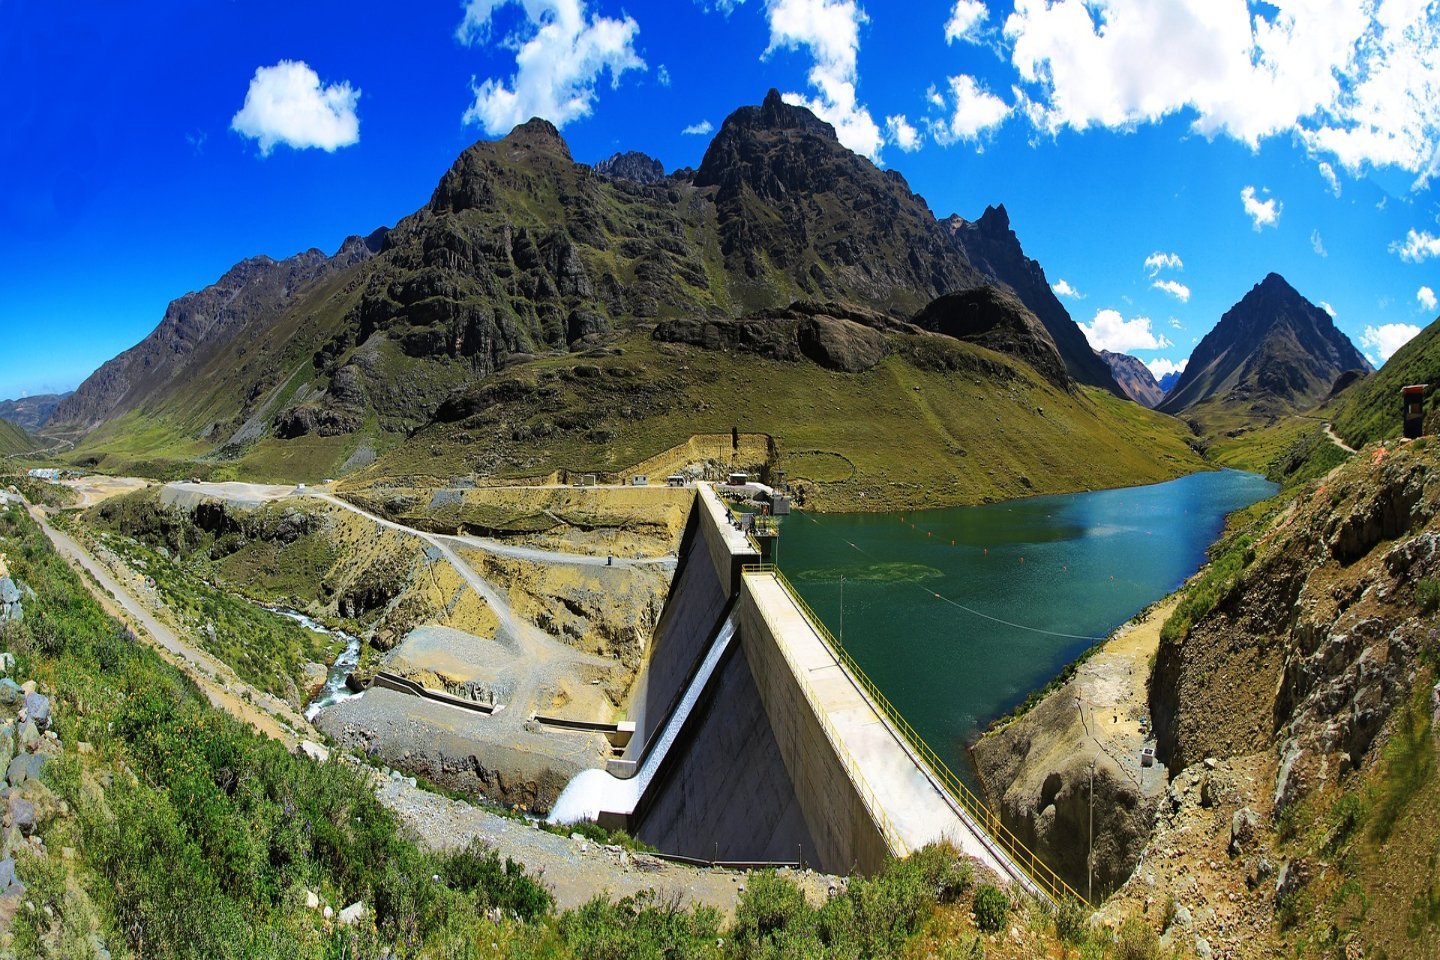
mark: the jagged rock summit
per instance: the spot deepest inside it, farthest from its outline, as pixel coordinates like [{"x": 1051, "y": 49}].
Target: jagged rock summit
[
  {"x": 1274, "y": 352},
  {"x": 992, "y": 247},
  {"x": 631, "y": 165}
]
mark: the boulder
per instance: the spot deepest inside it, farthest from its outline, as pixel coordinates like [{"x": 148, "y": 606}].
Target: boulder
[
  {"x": 10, "y": 693},
  {"x": 20, "y": 814},
  {"x": 37, "y": 709},
  {"x": 839, "y": 344},
  {"x": 7, "y": 872},
  {"x": 25, "y": 767},
  {"x": 1243, "y": 827},
  {"x": 352, "y": 914},
  {"x": 29, "y": 735}
]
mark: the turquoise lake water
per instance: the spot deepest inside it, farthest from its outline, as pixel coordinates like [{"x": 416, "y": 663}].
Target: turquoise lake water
[{"x": 1060, "y": 572}]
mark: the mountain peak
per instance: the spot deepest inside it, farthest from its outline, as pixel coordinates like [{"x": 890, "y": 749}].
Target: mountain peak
[
  {"x": 1274, "y": 351},
  {"x": 538, "y": 133},
  {"x": 631, "y": 165},
  {"x": 995, "y": 220}
]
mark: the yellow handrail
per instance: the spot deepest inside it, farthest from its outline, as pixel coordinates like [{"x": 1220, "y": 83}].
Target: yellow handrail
[{"x": 1039, "y": 872}]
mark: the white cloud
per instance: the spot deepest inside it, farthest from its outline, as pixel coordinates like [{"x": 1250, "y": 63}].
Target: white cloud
[
  {"x": 1417, "y": 247},
  {"x": 726, "y": 7},
  {"x": 1158, "y": 261},
  {"x": 1426, "y": 298},
  {"x": 1176, "y": 324},
  {"x": 1387, "y": 338},
  {"x": 662, "y": 74},
  {"x": 975, "y": 110},
  {"x": 287, "y": 104},
  {"x": 1262, "y": 213},
  {"x": 1356, "y": 81},
  {"x": 899, "y": 132},
  {"x": 830, "y": 31},
  {"x": 1317, "y": 244},
  {"x": 1327, "y": 172},
  {"x": 1110, "y": 331},
  {"x": 1160, "y": 367},
  {"x": 964, "y": 20},
  {"x": 1063, "y": 288},
  {"x": 1175, "y": 288},
  {"x": 560, "y": 52},
  {"x": 699, "y": 129},
  {"x": 1325, "y": 305}
]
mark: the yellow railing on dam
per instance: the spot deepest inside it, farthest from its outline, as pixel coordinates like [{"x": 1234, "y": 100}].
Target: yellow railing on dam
[{"x": 1039, "y": 872}]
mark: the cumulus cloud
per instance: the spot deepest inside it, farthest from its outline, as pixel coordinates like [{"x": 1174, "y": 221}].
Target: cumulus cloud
[
  {"x": 899, "y": 132},
  {"x": 561, "y": 50},
  {"x": 1426, "y": 298},
  {"x": 1175, "y": 288},
  {"x": 1176, "y": 324},
  {"x": 1158, "y": 261},
  {"x": 1325, "y": 305},
  {"x": 1262, "y": 213},
  {"x": 1063, "y": 288},
  {"x": 1161, "y": 367},
  {"x": 662, "y": 75},
  {"x": 973, "y": 110},
  {"x": 1327, "y": 173},
  {"x": 1317, "y": 244},
  {"x": 699, "y": 129},
  {"x": 830, "y": 31},
  {"x": 1111, "y": 331},
  {"x": 965, "y": 21},
  {"x": 1355, "y": 81},
  {"x": 725, "y": 7},
  {"x": 288, "y": 104},
  {"x": 1388, "y": 337},
  {"x": 1417, "y": 247}
]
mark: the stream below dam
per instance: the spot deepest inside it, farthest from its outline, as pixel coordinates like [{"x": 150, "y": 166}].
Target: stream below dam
[{"x": 959, "y": 614}]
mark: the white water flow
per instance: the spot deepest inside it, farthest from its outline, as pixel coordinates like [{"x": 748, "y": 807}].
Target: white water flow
[
  {"x": 591, "y": 791},
  {"x": 334, "y": 689}
]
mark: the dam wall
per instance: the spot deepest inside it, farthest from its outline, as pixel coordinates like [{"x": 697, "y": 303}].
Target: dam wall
[{"x": 711, "y": 556}]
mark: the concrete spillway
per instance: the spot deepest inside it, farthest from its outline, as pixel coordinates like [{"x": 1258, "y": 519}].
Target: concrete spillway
[{"x": 755, "y": 743}]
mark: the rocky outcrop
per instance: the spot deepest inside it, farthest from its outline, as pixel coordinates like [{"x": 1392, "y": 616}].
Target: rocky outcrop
[
  {"x": 631, "y": 165},
  {"x": 31, "y": 413},
  {"x": 1313, "y": 644},
  {"x": 998, "y": 320},
  {"x": 835, "y": 336}
]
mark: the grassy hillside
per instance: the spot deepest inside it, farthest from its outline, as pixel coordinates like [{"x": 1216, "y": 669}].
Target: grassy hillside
[
  {"x": 14, "y": 440},
  {"x": 938, "y": 422},
  {"x": 1370, "y": 410}
]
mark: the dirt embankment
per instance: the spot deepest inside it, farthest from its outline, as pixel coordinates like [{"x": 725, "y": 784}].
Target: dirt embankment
[{"x": 1038, "y": 768}]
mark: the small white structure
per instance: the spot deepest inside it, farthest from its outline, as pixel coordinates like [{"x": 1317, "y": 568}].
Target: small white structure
[
  {"x": 738, "y": 479},
  {"x": 299, "y": 488},
  {"x": 639, "y": 480}
]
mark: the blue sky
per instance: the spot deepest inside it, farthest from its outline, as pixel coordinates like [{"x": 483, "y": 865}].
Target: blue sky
[{"x": 148, "y": 147}]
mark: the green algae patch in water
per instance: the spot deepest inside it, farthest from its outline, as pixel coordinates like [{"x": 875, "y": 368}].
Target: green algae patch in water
[{"x": 871, "y": 573}]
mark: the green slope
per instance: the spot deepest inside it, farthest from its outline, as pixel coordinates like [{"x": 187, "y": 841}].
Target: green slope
[
  {"x": 1370, "y": 410},
  {"x": 14, "y": 440}
]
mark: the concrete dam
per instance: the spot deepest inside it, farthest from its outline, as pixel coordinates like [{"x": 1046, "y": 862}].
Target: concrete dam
[{"x": 757, "y": 740}]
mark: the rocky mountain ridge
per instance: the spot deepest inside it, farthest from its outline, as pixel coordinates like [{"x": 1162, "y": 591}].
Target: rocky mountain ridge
[
  {"x": 1273, "y": 353},
  {"x": 32, "y": 413}
]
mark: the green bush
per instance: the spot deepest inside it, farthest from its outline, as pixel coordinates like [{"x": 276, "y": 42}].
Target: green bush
[
  {"x": 477, "y": 870},
  {"x": 771, "y": 909},
  {"x": 992, "y": 906},
  {"x": 1427, "y": 595},
  {"x": 1136, "y": 941},
  {"x": 1072, "y": 920},
  {"x": 642, "y": 927}
]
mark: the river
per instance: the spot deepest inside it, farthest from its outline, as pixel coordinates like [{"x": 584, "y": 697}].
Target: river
[
  {"x": 959, "y": 614},
  {"x": 335, "y": 688}
]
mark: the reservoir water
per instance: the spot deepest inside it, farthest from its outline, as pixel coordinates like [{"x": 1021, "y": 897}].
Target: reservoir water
[{"x": 959, "y": 614}]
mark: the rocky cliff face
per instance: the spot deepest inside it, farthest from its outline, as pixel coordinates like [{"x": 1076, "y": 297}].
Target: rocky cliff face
[
  {"x": 1134, "y": 378},
  {"x": 1274, "y": 352},
  {"x": 992, "y": 247},
  {"x": 1308, "y": 649}
]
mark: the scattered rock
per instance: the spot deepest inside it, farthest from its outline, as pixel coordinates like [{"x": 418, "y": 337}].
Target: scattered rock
[
  {"x": 312, "y": 900},
  {"x": 10, "y": 693},
  {"x": 1202, "y": 949},
  {"x": 37, "y": 709},
  {"x": 1243, "y": 827},
  {"x": 20, "y": 814},
  {"x": 352, "y": 914}
]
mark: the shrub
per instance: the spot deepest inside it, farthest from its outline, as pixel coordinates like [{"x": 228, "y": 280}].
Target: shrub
[
  {"x": 771, "y": 906},
  {"x": 1427, "y": 595},
  {"x": 477, "y": 870},
  {"x": 642, "y": 927},
  {"x": 1136, "y": 941},
  {"x": 992, "y": 906},
  {"x": 1071, "y": 920}
]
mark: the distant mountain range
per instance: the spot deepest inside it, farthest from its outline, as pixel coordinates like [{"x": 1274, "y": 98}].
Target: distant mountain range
[
  {"x": 1273, "y": 353},
  {"x": 31, "y": 413},
  {"x": 522, "y": 253},
  {"x": 1134, "y": 378}
]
